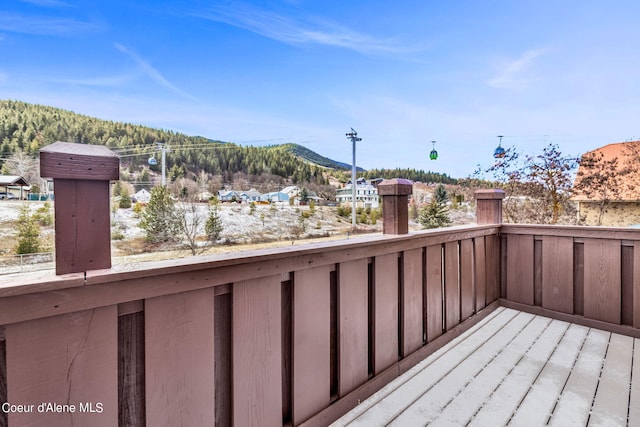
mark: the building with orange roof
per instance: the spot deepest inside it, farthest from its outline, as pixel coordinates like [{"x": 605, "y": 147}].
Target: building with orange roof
[{"x": 607, "y": 185}]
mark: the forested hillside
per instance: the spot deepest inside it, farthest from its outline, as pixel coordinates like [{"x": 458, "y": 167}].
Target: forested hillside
[{"x": 26, "y": 128}]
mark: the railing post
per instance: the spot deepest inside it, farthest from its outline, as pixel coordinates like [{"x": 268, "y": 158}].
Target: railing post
[
  {"x": 489, "y": 206},
  {"x": 395, "y": 209},
  {"x": 81, "y": 175}
]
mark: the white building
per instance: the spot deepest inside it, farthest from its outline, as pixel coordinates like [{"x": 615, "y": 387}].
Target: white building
[{"x": 366, "y": 194}]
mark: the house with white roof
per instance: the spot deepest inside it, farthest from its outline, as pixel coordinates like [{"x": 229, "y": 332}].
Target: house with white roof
[{"x": 366, "y": 194}]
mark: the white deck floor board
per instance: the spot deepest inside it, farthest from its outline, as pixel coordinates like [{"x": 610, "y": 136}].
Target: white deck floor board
[
  {"x": 430, "y": 404},
  {"x": 611, "y": 403},
  {"x": 537, "y": 406},
  {"x": 499, "y": 409},
  {"x": 518, "y": 369},
  {"x": 575, "y": 402},
  {"x": 389, "y": 405}
]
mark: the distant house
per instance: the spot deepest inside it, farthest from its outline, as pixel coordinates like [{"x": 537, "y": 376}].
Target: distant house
[
  {"x": 250, "y": 196},
  {"x": 366, "y": 194},
  {"x": 228, "y": 196},
  {"x": 624, "y": 207},
  {"x": 291, "y": 191},
  {"x": 275, "y": 197}
]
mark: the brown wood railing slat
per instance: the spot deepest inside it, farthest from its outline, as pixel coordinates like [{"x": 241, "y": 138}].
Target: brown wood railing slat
[
  {"x": 257, "y": 348},
  {"x": 480, "y": 273},
  {"x": 131, "y": 379},
  {"x": 451, "y": 285},
  {"x": 179, "y": 358},
  {"x": 4, "y": 422},
  {"x": 386, "y": 319},
  {"x": 412, "y": 301},
  {"x": 67, "y": 359},
  {"x": 467, "y": 297},
  {"x": 557, "y": 274},
  {"x": 434, "y": 292},
  {"x": 627, "y": 284},
  {"x": 223, "y": 359},
  {"x": 311, "y": 323},
  {"x": 602, "y": 271},
  {"x": 520, "y": 268},
  {"x": 352, "y": 325}
]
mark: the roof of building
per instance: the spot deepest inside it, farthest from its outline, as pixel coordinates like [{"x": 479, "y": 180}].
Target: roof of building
[
  {"x": 627, "y": 154},
  {"x": 13, "y": 180}
]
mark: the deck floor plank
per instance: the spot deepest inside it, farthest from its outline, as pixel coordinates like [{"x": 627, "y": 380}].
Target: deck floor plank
[
  {"x": 384, "y": 405},
  {"x": 537, "y": 406},
  {"x": 517, "y": 369},
  {"x": 499, "y": 409},
  {"x": 575, "y": 401},
  {"x": 611, "y": 404},
  {"x": 516, "y": 343}
]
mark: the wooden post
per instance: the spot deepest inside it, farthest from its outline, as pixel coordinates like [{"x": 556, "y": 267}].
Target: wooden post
[
  {"x": 81, "y": 175},
  {"x": 395, "y": 209},
  {"x": 489, "y": 206}
]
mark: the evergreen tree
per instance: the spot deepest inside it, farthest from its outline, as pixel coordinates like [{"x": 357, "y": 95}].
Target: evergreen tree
[
  {"x": 29, "y": 241},
  {"x": 159, "y": 219},
  {"x": 440, "y": 194},
  {"x": 213, "y": 226},
  {"x": 434, "y": 215}
]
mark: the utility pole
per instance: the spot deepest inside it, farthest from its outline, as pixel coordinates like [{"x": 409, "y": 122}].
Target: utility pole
[
  {"x": 164, "y": 147},
  {"x": 353, "y": 136}
]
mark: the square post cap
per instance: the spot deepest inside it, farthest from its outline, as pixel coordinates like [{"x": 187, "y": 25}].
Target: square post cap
[
  {"x": 491, "y": 194},
  {"x": 395, "y": 187},
  {"x": 69, "y": 160}
]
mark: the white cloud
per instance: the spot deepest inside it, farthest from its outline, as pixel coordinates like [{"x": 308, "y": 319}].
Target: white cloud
[
  {"x": 17, "y": 23},
  {"x": 312, "y": 31},
  {"x": 515, "y": 74},
  {"x": 151, "y": 72}
]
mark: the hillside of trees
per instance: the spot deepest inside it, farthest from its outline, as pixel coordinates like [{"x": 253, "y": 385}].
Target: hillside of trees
[{"x": 26, "y": 128}]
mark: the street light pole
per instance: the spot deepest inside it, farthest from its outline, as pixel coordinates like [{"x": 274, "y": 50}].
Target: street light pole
[{"x": 353, "y": 136}]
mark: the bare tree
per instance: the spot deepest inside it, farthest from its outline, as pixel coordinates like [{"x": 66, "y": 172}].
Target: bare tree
[
  {"x": 199, "y": 226},
  {"x": 22, "y": 164}
]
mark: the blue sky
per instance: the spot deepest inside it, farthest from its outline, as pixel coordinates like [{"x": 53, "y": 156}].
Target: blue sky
[{"x": 402, "y": 72}]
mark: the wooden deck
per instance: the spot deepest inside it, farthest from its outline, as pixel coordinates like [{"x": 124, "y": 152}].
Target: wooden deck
[{"x": 519, "y": 369}]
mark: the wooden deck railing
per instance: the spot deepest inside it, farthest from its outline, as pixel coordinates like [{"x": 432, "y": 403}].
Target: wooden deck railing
[
  {"x": 289, "y": 336},
  {"x": 588, "y": 275}
]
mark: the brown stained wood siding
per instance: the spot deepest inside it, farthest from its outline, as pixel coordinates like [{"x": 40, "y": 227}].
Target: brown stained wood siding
[
  {"x": 557, "y": 273},
  {"x": 412, "y": 301},
  {"x": 480, "y": 273},
  {"x": 311, "y": 322},
  {"x": 179, "y": 358},
  {"x": 493, "y": 268},
  {"x": 451, "y": 285},
  {"x": 520, "y": 268},
  {"x": 434, "y": 292},
  {"x": 467, "y": 298},
  {"x": 69, "y": 358},
  {"x": 602, "y": 289},
  {"x": 385, "y": 341},
  {"x": 131, "y": 392},
  {"x": 257, "y": 347},
  {"x": 353, "y": 356},
  {"x": 4, "y": 422},
  {"x": 223, "y": 357}
]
